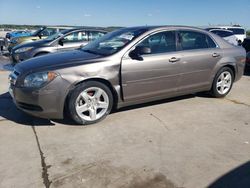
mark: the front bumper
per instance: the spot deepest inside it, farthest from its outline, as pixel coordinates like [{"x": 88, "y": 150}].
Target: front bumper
[{"x": 46, "y": 102}]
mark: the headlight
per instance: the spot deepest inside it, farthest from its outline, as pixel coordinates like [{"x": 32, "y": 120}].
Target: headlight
[
  {"x": 24, "y": 49},
  {"x": 39, "y": 79}
]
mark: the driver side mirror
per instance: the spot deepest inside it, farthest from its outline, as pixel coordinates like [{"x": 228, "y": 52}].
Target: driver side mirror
[
  {"x": 60, "y": 42},
  {"x": 138, "y": 51}
]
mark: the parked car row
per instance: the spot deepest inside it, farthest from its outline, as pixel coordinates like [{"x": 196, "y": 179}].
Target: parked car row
[
  {"x": 61, "y": 41},
  {"x": 39, "y": 34},
  {"x": 124, "y": 67}
]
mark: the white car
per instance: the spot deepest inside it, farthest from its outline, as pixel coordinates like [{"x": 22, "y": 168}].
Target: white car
[
  {"x": 227, "y": 35},
  {"x": 238, "y": 31}
]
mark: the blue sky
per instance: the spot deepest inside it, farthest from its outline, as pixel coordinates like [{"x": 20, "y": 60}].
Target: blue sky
[{"x": 125, "y": 12}]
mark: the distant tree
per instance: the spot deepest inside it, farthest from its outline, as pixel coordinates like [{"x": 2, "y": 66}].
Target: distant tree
[{"x": 248, "y": 33}]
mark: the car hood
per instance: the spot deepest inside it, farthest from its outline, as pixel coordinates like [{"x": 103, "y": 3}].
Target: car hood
[
  {"x": 29, "y": 38},
  {"x": 57, "y": 61},
  {"x": 32, "y": 44}
]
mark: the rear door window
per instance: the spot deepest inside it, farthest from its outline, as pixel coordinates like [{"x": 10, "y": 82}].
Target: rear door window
[{"x": 191, "y": 40}]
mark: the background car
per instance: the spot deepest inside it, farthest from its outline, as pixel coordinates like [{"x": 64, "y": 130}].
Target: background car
[
  {"x": 39, "y": 34},
  {"x": 227, "y": 35},
  {"x": 246, "y": 45},
  {"x": 238, "y": 31},
  {"x": 60, "y": 41},
  {"x": 126, "y": 67},
  {"x": 14, "y": 34}
]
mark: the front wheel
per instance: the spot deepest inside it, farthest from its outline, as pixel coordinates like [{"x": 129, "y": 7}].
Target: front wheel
[
  {"x": 90, "y": 102},
  {"x": 223, "y": 82}
]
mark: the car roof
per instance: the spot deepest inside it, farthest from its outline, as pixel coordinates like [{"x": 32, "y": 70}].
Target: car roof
[
  {"x": 150, "y": 28},
  {"x": 83, "y": 29}
]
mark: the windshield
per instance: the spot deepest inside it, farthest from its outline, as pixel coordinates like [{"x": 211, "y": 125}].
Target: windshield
[
  {"x": 114, "y": 41},
  {"x": 38, "y": 31},
  {"x": 222, "y": 33},
  {"x": 237, "y": 31}
]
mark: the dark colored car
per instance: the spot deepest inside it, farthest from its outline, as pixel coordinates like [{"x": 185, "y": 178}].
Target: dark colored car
[
  {"x": 61, "y": 41},
  {"x": 246, "y": 45},
  {"x": 126, "y": 67}
]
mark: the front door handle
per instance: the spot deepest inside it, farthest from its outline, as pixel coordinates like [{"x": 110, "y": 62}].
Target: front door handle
[
  {"x": 174, "y": 59},
  {"x": 215, "y": 55}
]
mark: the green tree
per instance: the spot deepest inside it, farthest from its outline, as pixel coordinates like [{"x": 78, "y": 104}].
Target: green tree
[{"x": 248, "y": 33}]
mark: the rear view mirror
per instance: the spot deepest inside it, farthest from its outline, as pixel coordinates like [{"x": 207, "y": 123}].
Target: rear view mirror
[
  {"x": 60, "y": 42},
  {"x": 138, "y": 51},
  {"x": 143, "y": 50}
]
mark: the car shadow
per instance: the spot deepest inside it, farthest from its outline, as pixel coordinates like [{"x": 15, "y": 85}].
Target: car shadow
[
  {"x": 238, "y": 177},
  {"x": 153, "y": 103},
  {"x": 10, "y": 112}
]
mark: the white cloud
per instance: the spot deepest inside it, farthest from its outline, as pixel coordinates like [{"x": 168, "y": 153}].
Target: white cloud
[
  {"x": 87, "y": 15},
  {"x": 38, "y": 6},
  {"x": 150, "y": 14}
]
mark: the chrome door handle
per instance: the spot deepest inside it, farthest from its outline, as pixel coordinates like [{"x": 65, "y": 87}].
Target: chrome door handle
[
  {"x": 215, "y": 55},
  {"x": 174, "y": 59}
]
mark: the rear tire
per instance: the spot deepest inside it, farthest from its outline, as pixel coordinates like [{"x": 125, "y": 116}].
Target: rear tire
[
  {"x": 222, "y": 83},
  {"x": 90, "y": 102}
]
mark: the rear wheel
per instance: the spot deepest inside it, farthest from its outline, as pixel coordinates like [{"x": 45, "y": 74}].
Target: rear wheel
[
  {"x": 223, "y": 82},
  {"x": 90, "y": 102}
]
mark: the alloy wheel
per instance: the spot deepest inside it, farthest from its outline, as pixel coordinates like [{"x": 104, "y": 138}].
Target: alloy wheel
[
  {"x": 92, "y": 104},
  {"x": 224, "y": 82}
]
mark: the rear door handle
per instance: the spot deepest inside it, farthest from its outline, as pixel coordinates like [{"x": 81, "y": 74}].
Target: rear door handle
[
  {"x": 215, "y": 55},
  {"x": 174, "y": 59}
]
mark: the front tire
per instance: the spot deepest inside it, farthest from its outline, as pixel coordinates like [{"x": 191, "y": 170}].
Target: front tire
[
  {"x": 222, "y": 83},
  {"x": 90, "y": 102}
]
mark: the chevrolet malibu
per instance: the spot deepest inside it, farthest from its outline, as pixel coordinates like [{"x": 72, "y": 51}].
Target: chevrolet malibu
[{"x": 126, "y": 67}]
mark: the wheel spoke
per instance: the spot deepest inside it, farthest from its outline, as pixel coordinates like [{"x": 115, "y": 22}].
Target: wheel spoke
[
  {"x": 227, "y": 85},
  {"x": 85, "y": 96},
  {"x": 81, "y": 109},
  {"x": 219, "y": 84},
  {"x": 221, "y": 77},
  {"x": 98, "y": 93},
  {"x": 227, "y": 77},
  {"x": 92, "y": 114},
  {"x": 103, "y": 105},
  {"x": 222, "y": 89}
]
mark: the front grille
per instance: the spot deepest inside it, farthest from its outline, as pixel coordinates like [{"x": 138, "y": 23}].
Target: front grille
[{"x": 31, "y": 107}]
